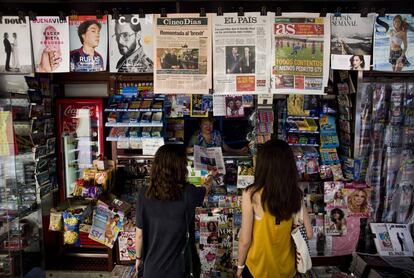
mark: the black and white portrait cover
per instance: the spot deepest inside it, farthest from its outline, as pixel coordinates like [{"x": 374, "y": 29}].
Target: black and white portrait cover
[
  {"x": 88, "y": 43},
  {"x": 16, "y": 51},
  {"x": 131, "y": 44}
]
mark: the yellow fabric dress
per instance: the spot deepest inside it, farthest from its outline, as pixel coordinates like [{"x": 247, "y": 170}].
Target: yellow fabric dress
[{"x": 271, "y": 252}]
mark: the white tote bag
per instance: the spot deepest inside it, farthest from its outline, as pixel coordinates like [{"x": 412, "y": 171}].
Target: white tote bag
[{"x": 301, "y": 243}]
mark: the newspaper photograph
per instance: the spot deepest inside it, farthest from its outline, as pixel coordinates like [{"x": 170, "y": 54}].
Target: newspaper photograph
[
  {"x": 16, "y": 55},
  {"x": 240, "y": 48},
  {"x": 301, "y": 62},
  {"x": 351, "y": 41},
  {"x": 88, "y": 43},
  {"x": 182, "y": 54},
  {"x": 209, "y": 159},
  {"x": 50, "y": 40},
  {"x": 131, "y": 44},
  {"x": 393, "y": 41}
]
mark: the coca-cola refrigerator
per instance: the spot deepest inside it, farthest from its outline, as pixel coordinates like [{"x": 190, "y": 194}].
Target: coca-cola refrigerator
[{"x": 80, "y": 139}]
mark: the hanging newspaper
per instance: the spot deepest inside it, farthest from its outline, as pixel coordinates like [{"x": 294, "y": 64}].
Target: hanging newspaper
[
  {"x": 16, "y": 56},
  {"x": 393, "y": 36},
  {"x": 50, "y": 40},
  {"x": 182, "y": 54},
  {"x": 131, "y": 44},
  {"x": 301, "y": 62},
  {"x": 240, "y": 45},
  {"x": 351, "y": 41},
  {"x": 88, "y": 43},
  {"x": 209, "y": 159},
  {"x": 393, "y": 239}
]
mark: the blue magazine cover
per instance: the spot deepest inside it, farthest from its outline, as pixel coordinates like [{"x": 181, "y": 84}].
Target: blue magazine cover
[{"x": 394, "y": 43}]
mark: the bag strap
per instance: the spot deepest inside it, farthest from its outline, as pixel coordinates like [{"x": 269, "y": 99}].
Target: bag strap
[
  {"x": 298, "y": 216},
  {"x": 187, "y": 233}
]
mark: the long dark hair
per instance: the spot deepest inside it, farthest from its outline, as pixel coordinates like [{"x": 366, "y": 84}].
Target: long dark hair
[
  {"x": 168, "y": 173},
  {"x": 276, "y": 174}
]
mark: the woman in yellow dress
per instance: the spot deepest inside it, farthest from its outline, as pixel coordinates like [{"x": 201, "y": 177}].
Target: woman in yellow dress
[{"x": 265, "y": 246}]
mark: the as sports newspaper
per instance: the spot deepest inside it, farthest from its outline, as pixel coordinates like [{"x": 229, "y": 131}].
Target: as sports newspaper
[
  {"x": 240, "y": 50},
  {"x": 182, "y": 54},
  {"x": 300, "y": 60},
  {"x": 351, "y": 41}
]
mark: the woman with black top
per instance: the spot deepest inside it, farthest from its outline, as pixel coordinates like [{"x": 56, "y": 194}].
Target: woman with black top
[{"x": 161, "y": 223}]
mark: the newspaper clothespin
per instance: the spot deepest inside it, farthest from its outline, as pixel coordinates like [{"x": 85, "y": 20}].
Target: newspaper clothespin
[
  {"x": 323, "y": 12},
  {"x": 73, "y": 15},
  {"x": 240, "y": 12},
  {"x": 210, "y": 91},
  {"x": 98, "y": 14},
  {"x": 263, "y": 11},
  {"x": 381, "y": 12},
  {"x": 337, "y": 12},
  {"x": 364, "y": 12},
  {"x": 1, "y": 17},
  {"x": 278, "y": 11},
  {"x": 141, "y": 13},
  {"x": 115, "y": 14},
  {"x": 202, "y": 12},
  {"x": 62, "y": 16},
  {"x": 21, "y": 16},
  {"x": 210, "y": 213},
  {"x": 32, "y": 15},
  {"x": 163, "y": 12},
  {"x": 220, "y": 11}
]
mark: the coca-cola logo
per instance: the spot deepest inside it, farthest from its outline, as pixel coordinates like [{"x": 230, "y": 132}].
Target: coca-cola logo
[{"x": 72, "y": 111}]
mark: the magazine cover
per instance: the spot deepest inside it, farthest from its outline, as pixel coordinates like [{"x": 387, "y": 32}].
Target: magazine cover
[
  {"x": 234, "y": 107},
  {"x": 88, "y": 43},
  {"x": 182, "y": 44},
  {"x": 106, "y": 225},
  {"x": 245, "y": 173},
  {"x": 177, "y": 106},
  {"x": 131, "y": 44},
  {"x": 335, "y": 221},
  {"x": 208, "y": 256},
  {"x": 393, "y": 239},
  {"x": 334, "y": 193},
  {"x": 198, "y": 108},
  {"x": 358, "y": 201},
  {"x": 300, "y": 62},
  {"x": 240, "y": 47},
  {"x": 393, "y": 41},
  {"x": 16, "y": 55},
  {"x": 351, "y": 41},
  {"x": 126, "y": 242},
  {"x": 209, "y": 223},
  {"x": 317, "y": 244},
  {"x": 50, "y": 40}
]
